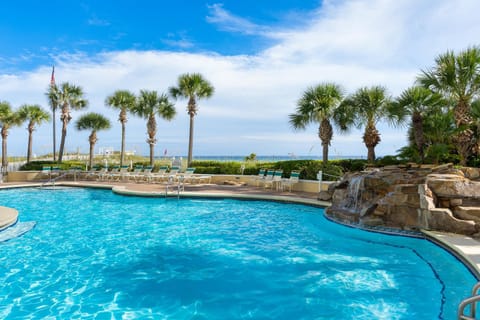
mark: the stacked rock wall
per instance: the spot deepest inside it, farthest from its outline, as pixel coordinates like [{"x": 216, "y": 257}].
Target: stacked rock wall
[{"x": 411, "y": 197}]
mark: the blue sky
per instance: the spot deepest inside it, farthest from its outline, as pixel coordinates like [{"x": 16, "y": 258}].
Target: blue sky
[{"x": 259, "y": 55}]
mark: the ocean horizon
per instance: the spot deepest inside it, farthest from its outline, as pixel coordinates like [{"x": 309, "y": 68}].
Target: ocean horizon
[{"x": 264, "y": 158}]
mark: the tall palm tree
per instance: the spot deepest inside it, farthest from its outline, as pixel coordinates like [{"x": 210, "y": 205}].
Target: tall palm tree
[
  {"x": 318, "y": 105},
  {"x": 416, "y": 103},
  {"x": 149, "y": 104},
  {"x": 69, "y": 96},
  {"x": 192, "y": 87},
  {"x": 124, "y": 101},
  {"x": 35, "y": 115},
  {"x": 94, "y": 122},
  {"x": 457, "y": 77},
  {"x": 8, "y": 119},
  {"x": 365, "y": 108},
  {"x": 52, "y": 95}
]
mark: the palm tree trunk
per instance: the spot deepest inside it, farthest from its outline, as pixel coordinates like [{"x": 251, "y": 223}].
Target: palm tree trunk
[
  {"x": 92, "y": 139},
  {"x": 152, "y": 131},
  {"x": 122, "y": 151},
  {"x": 463, "y": 139},
  {"x": 325, "y": 133},
  {"x": 4, "y": 149},
  {"x": 62, "y": 141},
  {"x": 371, "y": 154},
  {"x": 417, "y": 122},
  {"x": 371, "y": 138},
  {"x": 29, "y": 149},
  {"x": 190, "y": 140}
]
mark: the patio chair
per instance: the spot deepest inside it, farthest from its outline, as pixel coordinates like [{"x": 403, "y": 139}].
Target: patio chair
[
  {"x": 275, "y": 181},
  {"x": 294, "y": 179},
  {"x": 161, "y": 174},
  {"x": 268, "y": 177},
  {"x": 120, "y": 174},
  {"x": 147, "y": 173},
  {"x": 137, "y": 171},
  {"x": 188, "y": 175},
  {"x": 261, "y": 175}
]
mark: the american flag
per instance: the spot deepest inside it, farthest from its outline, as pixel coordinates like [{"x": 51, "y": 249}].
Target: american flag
[{"x": 52, "y": 79}]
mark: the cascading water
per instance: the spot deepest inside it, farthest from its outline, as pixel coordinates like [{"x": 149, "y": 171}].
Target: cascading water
[{"x": 354, "y": 193}]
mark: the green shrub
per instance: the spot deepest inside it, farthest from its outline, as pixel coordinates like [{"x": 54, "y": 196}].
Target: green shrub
[{"x": 38, "y": 165}]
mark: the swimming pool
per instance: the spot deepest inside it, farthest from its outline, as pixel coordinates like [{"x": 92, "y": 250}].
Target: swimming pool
[{"x": 97, "y": 255}]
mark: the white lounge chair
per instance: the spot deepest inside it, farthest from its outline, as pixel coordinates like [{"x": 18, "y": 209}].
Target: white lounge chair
[
  {"x": 258, "y": 178},
  {"x": 275, "y": 181},
  {"x": 294, "y": 178},
  {"x": 268, "y": 177}
]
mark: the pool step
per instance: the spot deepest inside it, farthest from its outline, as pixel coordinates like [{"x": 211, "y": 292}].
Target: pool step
[{"x": 16, "y": 230}]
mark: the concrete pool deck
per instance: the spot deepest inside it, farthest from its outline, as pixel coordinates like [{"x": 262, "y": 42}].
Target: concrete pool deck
[{"x": 465, "y": 248}]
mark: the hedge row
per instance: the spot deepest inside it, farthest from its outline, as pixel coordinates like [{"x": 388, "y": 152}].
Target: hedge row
[{"x": 308, "y": 168}]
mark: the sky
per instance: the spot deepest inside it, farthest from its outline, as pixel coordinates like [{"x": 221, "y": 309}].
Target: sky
[{"x": 259, "y": 55}]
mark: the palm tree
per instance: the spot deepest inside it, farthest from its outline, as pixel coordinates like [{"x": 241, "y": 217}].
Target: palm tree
[
  {"x": 52, "y": 95},
  {"x": 124, "y": 101},
  {"x": 476, "y": 122},
  {"x": 366, "y": 107},
  {"x": 69, "y": 96},
  {"x": 416, "y": 102},
  {"x": 95, "y": 122},
  {"x": 8, "y": 119},
  {"x": 192, "y": 87},
  {"x": 35, "y": 115},
  {"x": 318, "y": 105},
  {"x": 149, "y": 104},
  {"x": 457, "y": 77}
]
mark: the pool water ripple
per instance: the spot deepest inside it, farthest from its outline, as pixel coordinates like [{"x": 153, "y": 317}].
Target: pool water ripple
[{"x": 97, "y": 255}]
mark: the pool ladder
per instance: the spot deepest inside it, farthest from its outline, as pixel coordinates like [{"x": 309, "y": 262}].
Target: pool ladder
[
  {"x": 180, "y": 185},
  {"x": 472, "y": 302},
  {"x": 52, "y": 180}
]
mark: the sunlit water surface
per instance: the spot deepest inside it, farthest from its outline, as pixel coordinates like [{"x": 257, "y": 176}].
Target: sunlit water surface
[{"x": 97, "y": 255}]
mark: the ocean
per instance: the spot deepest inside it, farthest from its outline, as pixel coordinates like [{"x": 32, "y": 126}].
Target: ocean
[{"x": 266, "y": 158}]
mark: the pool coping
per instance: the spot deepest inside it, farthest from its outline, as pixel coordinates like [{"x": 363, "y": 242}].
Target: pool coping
[{"x": 465, "y": 248}]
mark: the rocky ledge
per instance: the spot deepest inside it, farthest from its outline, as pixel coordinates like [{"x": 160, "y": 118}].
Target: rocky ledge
[{"x": 410, "y": 197}]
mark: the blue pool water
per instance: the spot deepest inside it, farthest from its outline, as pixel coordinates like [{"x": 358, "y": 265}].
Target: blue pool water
[{"x": 97, "y": 255}]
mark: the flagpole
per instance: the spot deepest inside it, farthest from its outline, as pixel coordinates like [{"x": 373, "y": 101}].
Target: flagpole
[{"x": 54, "y": 108}]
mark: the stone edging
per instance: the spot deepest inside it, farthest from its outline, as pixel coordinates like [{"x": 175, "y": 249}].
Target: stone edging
[{"x": 8, "y": 217}]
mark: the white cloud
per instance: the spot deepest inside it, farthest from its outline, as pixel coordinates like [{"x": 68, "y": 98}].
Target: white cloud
[{"x": 355, "y": 43}]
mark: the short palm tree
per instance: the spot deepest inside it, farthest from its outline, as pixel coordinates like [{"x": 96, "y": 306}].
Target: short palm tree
[
  {"x": 124, "y": 101},
  {"x": 416, "y": 103},
  {"x": 318, "y": 105},
  {"x": 52, "y": 95},
  {"x": 457, "y": 77},
  {"x": 192, "y": 87},
  {"x": 149, "y": 104},
  {"x": 94, "y": 122},
  {"x": 8, "y": 119},
  {"x": 68, "y": 96},
  {"x": 35, "y": 115},
  {"x": 365, "y": 108}
]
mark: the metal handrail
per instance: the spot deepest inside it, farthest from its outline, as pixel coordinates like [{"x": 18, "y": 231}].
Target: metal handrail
[
  {"x": 52, "y": 180},
  {"x": 470, "y": 301}
]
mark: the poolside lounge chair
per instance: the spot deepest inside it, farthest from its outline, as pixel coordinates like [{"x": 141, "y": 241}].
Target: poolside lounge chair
[
  {"x": 188, "y": 175},
  {"x": 111, "y": 174},
  {"x": 258, "y": 178},
  {"x": 137, "y": 171},
  {"x": 294, "y": 178},
  {"x": 268, "y": 177},
  {"x": 147, "y": 174},
  {"x": 46, "y": 171},
  {"x": 160, "y": 175},
  {"x": 120, "y": 174},
  {"x": 275, "y": 181}
]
